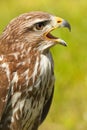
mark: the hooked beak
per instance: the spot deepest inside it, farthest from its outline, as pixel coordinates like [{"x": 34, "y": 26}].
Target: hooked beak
[
  {"x": 62, "y": 23},
  {"x": 58, "y": 23}
]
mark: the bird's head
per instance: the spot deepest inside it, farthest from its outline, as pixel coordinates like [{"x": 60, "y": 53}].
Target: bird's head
[{"x": 35, "y": 29}]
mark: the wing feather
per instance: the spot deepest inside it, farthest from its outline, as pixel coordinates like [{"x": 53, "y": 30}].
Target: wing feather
[{"x": 47, "y": 107}]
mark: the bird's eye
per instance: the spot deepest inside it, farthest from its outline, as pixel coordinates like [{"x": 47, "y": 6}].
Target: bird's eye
[{"x": 40, "y": 25}]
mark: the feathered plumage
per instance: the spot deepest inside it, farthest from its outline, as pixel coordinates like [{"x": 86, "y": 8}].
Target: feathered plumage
[{"x": 27, "y": 70}]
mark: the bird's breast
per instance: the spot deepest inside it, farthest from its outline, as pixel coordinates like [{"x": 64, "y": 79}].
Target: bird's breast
[
  {"x": 42, "y": 90},
  {"x": 46, "y": 65}
]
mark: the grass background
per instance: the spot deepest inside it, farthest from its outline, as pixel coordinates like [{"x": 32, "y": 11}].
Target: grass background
[{"x": 69, "y": 107}]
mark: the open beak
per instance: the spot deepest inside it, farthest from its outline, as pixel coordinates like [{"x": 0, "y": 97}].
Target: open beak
[{"x": 58, "y": 22}]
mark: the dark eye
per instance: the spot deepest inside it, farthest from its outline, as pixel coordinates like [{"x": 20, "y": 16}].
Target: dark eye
[{"x": 40, "y": 25}]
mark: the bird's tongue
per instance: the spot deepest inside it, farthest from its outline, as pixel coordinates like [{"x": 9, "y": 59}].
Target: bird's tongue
[{"x": 49, "y": 35}]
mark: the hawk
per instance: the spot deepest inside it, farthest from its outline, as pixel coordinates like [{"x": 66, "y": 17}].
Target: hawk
[{"x": 27, "y": 70}]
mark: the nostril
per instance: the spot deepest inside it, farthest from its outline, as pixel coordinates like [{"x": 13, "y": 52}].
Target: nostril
[{"x": 59, "y": 21}]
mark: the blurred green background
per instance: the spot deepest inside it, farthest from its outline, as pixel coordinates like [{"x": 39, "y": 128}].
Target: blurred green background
[{"x": 69, "y": 107}]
